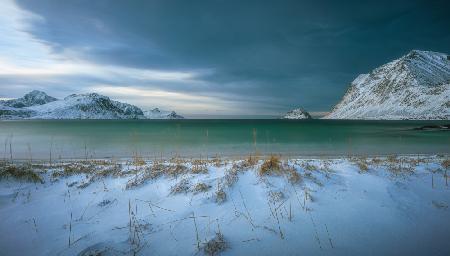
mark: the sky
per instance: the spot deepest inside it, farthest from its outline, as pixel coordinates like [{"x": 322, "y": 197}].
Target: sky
[{"x": 215, "y": 57}]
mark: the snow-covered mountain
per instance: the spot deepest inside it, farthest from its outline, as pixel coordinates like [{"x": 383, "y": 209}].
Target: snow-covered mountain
[
  {"x": 156, "y": 113},
  {"x": 297, "y": 113},
  {"x": 30, "y": 99},
  {"x": 87, "y": 106},
  {"x": 415, "y": 86},
  {"x": 38, "y": 105}
]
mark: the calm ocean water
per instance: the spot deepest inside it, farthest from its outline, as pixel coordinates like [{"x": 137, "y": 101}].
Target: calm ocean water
[{"x": 195, "y": 138}]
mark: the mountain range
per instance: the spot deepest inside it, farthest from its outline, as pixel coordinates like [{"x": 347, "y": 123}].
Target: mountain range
[
  {"x": 38, "y": 105},
  {"x": 415, "y": 86}
]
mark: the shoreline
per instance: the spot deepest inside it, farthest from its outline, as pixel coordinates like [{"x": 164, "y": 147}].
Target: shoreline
[{"x": 157, "y": 158}]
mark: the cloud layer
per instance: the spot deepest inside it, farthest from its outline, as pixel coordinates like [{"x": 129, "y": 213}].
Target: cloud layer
[{"x": 213, "y": 57}]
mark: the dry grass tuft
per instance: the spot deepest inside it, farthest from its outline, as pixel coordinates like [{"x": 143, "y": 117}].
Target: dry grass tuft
[
  {"x": 401, "y": 167},
  {"x": 292, "y": 175},
  {"x": 140, "y": 178},
  {"x": 180, "y": 187},
  {"x": 392, "y": 159},
  {"x": 271, "y": 166},
  {"x": 445, "y": 164},
  {"x": 244, "y": 165},
  {"x": 217, "y": 162},
  {"x": 249, "y": 162},
  {"x": 198, "y": 162},
  {"x": 199, "y": 168},
  {"x": 103, "y": 162},
  {"x": 176, "y": 160},
  {"x": 114, "y": 170},
  {"x": 155, "y": 171},
  {"x": 220, "y": 196},
  {"x": 362, "y": 166},
  {"x": 362, "y": 163},
  {"x": 216, "y": 245},
  {"x": 149, "y": 173},
  {"x": 309, "y": 167},
  {"x": 231, "y": 176},
  {"x": 176, "y": 170},
  {"x": 201, "y": 187},
  {"x": 376, "y": 161},
  {"x": 22, "y": 173},
  {"x": 74, "y": 169},
  {"x": 399, "y": 170},
  {"x": 138, "y": 160}
]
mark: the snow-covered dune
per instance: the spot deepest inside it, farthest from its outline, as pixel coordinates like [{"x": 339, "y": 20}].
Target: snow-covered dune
[
  {"x": 358, "y": 206},
  {"x": 416, "y": 86}
]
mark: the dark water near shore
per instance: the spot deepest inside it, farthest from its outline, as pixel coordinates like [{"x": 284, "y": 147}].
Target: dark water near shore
[{"x": 195, "y": 138}]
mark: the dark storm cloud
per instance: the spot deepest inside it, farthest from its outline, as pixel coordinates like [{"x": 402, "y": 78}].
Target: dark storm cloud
[{"x": 283, "y": 53}]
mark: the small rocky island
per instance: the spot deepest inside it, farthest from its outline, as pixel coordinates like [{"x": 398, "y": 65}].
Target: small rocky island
[{"x": 156, "y": 113}]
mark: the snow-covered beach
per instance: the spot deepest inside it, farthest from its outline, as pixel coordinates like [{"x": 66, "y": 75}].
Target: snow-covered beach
[
  {"x": 390, "y": 205},
  {"x": 224, "y": 128}
]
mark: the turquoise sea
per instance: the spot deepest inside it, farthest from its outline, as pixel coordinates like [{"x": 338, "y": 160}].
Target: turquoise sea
[{"x": 67, "y": 139}]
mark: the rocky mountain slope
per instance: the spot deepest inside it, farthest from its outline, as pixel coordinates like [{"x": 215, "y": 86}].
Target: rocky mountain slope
[
  {"x": 38, "y": 105},
  {"x": 415, "y": 86},
  {"x": 298, "y": 113}
]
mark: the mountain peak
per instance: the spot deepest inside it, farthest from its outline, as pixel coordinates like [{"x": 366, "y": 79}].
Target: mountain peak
[
  {"x": 88, "y": 106},
  {"x": 426, "y": 67},
  {"x": 422, "y": 53},
  {"x": 92, "y": 95},
  {"x": 415, "y": 86},
  {"x": 36, "y": 92},
  {"x": 32, "y": 98},
  {"x": 417, "y": 56}
]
